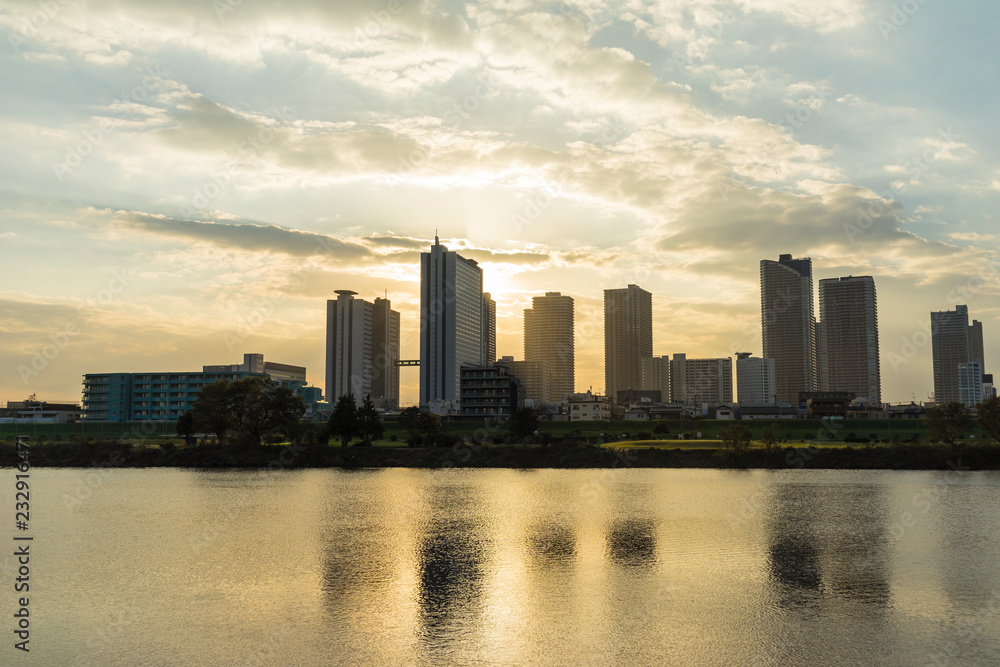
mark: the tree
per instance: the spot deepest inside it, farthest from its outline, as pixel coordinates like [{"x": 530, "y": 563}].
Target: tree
[
  {"x": 768, "y": 437},
  {"x": 369, "y": 422},
  {"x": 736, "y": 439},
  {"x": 212, "y": 411},
  {"x": 429, "y": 426},
  {"x": 261, "y": 407},
  {"x": 988, "y": 417},
  {"x": 343, "y": 422},
  {"x": 409, "y": 419},
  {"x": 255, "y": 406},
  {"x": 185, "y": 427},
  {"x": 949, "y": 422},
  {"x": 523, "y": 423}
]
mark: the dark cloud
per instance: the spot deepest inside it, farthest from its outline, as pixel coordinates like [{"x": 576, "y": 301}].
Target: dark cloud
[
  {"x": 259, "y": 238},
  {"x": 406, "y": 242},
  {"x": 481, "y": 255}
]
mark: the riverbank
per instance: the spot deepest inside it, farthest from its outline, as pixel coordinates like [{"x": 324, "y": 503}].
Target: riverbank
[{"x": 129, "y": 455}]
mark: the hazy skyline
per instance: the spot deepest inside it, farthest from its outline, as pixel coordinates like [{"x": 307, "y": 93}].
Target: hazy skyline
[{"x": 188, "y": 181}]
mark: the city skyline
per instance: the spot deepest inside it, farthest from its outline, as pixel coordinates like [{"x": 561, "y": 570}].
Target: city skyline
[{"x": 182, "y": 186}]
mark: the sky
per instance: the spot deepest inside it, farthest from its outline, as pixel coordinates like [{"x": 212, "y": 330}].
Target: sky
[{"x": 186, "y": 181}]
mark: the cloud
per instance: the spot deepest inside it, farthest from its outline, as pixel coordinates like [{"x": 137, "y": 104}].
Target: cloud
[{"x": 251, "y": 237}]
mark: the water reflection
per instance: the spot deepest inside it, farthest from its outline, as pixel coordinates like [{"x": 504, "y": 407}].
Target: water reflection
[
  {"x": 632, "y": 542},
  {"x": 451, "y": 572},
  {"x": 553, "y": 542},
  {"x": 829, "y": 540},
  {"x": 858, "y": 547}
]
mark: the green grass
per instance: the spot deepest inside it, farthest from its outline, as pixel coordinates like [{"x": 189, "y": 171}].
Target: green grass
[{"x": 792, "y": 432}]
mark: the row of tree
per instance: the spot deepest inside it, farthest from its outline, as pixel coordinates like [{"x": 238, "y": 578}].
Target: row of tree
[{"x": 951, "y": 422}]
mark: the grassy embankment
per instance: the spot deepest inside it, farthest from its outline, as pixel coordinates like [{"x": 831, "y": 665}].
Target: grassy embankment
[{"x": 808, "y": 444}]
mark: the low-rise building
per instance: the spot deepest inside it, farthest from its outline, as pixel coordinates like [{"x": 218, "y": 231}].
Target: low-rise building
[
  {"x": 126, "y": 397},
  {"x": 589, "y": 407},
  {"x": 32, "y": 410},
  {"x": 779, "y": 411},
  {"x": 488, "y": 393}
]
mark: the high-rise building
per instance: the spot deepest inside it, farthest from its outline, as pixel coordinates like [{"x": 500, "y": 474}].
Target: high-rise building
[
  {"x": 953, "y": 342},
  {"x": 489, "y": 329},
  {"x": 385, "y": 346},
  {"x": 451, "y": 323},
  {"x": 789, "y": 324},
  {"x": 848, "y": 346},
  {"x": 362, "y": 348},
  {"x": 754, "y": 380},
  {"x": 534, "y": 377},
  {"x": 628, "y": 337},
  {"x": 656, "y": 375},
  {"x": 970, "y": 382},
  {"x": 701, "y": 380},
  {"x": 548, "y": 337}
]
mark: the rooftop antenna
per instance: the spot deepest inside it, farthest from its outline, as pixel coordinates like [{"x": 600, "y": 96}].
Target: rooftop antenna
[{"x": 436, "y": 242}]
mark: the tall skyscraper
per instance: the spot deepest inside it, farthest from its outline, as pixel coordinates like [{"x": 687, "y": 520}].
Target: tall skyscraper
[
  {"x": 656, "y": 375},
  {"x": 954, "y": 342},
  {"x": 848, "y": 346},
  {"x": 451, "y": 322},
  {"x": 754, "y": 380},
  {"x": 628, "y": 337},
  {"x": 362, "y": 347},
  {"x": 489, "y": 329},
  {"x": 548, "y": 337},
  {"x": 385, "y": 345},
  {"x": 789, "y": 324}
]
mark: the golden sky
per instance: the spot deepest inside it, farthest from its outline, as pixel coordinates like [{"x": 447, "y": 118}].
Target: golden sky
[{"x": 185, "y": 181}]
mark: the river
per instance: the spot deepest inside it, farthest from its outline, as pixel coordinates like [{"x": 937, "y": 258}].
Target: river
[{"x": 510, "y": 567}]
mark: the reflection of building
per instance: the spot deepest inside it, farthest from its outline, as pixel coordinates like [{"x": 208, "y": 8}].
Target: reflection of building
[
  {"x": 754, "y": 380},
  {"x": 701, "y": 380},
  {"x": 488, "y": 393},
  {"x": 789, "y": 324},
  {"x": 632, "y": 542},
  {"x": 451, "y": 322},
  {"x": 450, "y": 575},
  {"x": 849, "y": 347},
  {"x": 628, "y": 337},
  {"x": 954, "y": 341},
  {"x": 548, "y": 337},
  {"x": 362, "y": 348}
]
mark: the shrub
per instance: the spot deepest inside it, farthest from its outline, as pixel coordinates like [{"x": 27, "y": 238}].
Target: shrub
[
  {"x": 392, "y": 438},
  {"x": 661, "y": 428}
]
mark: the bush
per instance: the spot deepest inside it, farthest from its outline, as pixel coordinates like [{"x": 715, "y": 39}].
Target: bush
[
  {"x": 644, "y": 435},
  {"x": 447, "y": 440},
  {"x": 392, "y": 438},
  {"x": 661, "y": 428}
]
